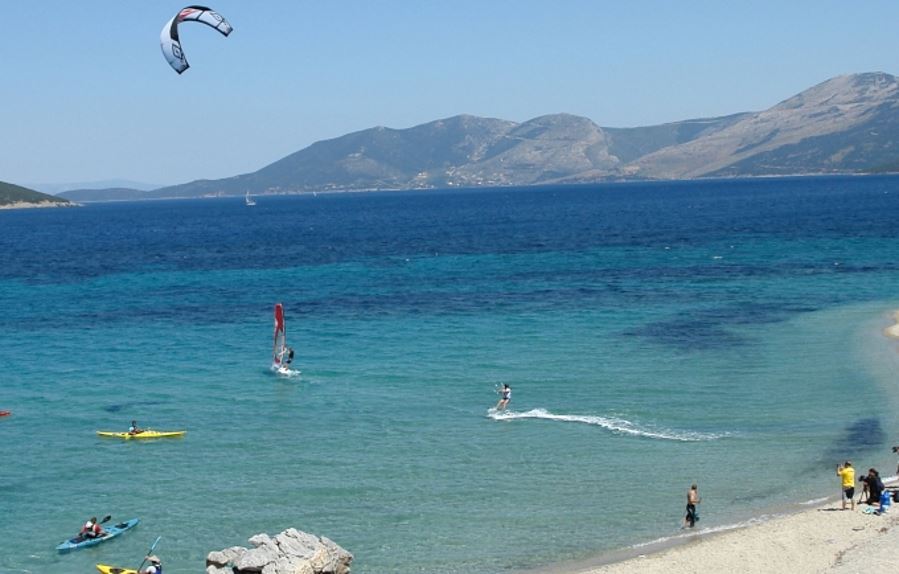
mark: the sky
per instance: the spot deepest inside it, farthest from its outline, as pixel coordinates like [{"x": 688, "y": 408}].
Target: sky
[{"x": 88, "y": 97}]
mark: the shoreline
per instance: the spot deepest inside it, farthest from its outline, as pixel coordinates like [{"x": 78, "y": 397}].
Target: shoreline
[
  {"x": 823, "y": 538},
  {"x": 37, "y": 205},
  {"x": 815, "y": 536}
]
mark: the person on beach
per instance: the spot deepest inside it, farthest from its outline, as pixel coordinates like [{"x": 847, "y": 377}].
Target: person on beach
[
  {"x": 847, "y": 476},
  {"x": 692, "y": 500},
  {"x": 872, "y": 487},
  {"x": 155, "y": 566},
  {"x": 92, "y": 529},
  {"x": 134, "y": 429},
  {"x": 506, "y": 397}
]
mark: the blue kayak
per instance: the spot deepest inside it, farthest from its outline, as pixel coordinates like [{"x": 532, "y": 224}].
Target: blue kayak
[{"x": 79, "y": 541}]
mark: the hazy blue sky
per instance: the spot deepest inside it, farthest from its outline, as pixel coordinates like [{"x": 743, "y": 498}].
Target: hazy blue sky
[{"x": 87, "y": 95}]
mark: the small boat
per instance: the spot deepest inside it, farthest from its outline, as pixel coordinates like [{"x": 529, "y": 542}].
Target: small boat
[
  {"x": 148, "y": 433},
  {"x": 106, "y": 569},
  {"x": 5, "y": 413},
  {"x": 110, "y": 532},
  {"x": 249, "y": 200}
]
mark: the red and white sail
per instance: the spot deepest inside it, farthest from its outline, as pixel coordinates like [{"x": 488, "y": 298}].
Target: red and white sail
[{"x": 279, "y": 345}]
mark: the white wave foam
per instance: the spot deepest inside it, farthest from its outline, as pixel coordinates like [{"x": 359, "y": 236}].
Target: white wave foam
[
  {"x": 616, "y": 425},
  {"x": 690, "y": 533}
]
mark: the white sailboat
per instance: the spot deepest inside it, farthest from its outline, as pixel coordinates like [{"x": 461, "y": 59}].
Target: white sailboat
[
  {"x": 249, "y": 200},
  {"x": 282, "y": 355}
]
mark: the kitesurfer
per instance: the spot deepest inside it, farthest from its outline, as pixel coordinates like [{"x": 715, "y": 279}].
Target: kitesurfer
[
  {"x": 92, "y": 529},
  {"x": 506, "y": 392}
]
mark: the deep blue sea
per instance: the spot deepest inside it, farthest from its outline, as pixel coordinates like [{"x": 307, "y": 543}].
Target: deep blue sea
[{"x": 726, "y": 332}]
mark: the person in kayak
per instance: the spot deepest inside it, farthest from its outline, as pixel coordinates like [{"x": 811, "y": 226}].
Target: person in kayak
[
  {"x": 506, "y": 397},
  {"x": 134, "y": 429},
  {"x": 92, "y": 529},
  {"x": 155, "y": 566}
]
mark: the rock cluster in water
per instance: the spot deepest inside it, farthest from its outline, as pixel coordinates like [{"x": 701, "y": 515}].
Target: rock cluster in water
[{"x": 291, "y": 552}]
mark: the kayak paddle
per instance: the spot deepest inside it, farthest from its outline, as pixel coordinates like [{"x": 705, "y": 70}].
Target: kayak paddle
[{"x": 150, "y": 551}]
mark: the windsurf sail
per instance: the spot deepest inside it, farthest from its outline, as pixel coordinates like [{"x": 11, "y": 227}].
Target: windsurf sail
[{"x": 279, "y": 345}]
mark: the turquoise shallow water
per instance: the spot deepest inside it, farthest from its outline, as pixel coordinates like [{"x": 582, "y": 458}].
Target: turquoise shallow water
[{"x": 653, "y": 334}]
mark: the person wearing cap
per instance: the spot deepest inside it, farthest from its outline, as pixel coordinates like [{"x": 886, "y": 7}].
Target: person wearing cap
[{"x": 155, "y": 566}]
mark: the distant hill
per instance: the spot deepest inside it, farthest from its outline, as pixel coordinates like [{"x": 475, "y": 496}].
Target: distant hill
[
  {"x": 848, "y": 124},
  {"x": 462, "y": 151},
  {"x": 12, "y": 195},
  {"x": 60, "y": 188},
  {"x": 106, "y": 194}
]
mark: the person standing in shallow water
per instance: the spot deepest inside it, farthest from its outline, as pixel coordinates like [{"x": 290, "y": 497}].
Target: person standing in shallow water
[
  {"x": 847, "y": 478},
  {"x": 692, "y": 500}
]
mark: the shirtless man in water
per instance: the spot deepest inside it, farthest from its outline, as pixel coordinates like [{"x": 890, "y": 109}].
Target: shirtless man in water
[{"x": 692, "y": 500}]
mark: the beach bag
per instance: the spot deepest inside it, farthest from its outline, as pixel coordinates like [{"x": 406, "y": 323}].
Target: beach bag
[
  {"x": 885, "y": 501},
  {"x": 896, "y": 496}
]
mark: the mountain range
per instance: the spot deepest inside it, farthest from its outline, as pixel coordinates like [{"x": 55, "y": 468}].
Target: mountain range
[{"x": 848, "y": 124}]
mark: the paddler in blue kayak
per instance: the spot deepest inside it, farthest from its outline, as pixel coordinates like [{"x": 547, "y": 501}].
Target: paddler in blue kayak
[
  {"x": 134, "y": 429},
  {"x": 92, "y": 529}
]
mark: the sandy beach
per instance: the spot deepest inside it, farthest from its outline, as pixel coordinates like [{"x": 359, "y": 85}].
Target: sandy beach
[{"x": 821, "y": 539}]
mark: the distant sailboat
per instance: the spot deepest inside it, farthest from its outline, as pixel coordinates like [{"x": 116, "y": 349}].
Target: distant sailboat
[{"x": 249, "y": 200}]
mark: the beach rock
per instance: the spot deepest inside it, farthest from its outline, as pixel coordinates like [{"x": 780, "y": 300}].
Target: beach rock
[
  {"x": 225, "y": 556},
  {"x": 290, "y": 552}
]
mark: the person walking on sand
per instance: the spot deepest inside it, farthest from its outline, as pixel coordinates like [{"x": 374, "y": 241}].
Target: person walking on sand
[
  {"x": 506, "y": 397},
  {"x": 692, "y": 500},
  {"x": 847, "y": 478}
]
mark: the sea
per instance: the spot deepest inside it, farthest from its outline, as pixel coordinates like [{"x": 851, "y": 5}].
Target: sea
[{"x": 724, "y": 332}]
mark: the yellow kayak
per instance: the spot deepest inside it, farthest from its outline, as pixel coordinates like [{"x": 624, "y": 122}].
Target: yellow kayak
[
  {"x": 104, "y": 569},
  {"x": 149, "y": 433}
]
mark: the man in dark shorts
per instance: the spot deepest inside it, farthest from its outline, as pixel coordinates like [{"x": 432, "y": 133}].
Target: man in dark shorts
[
  {"x": 847, "y": 478},
  {"x": 692, "y": 500}
]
